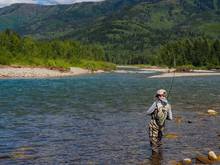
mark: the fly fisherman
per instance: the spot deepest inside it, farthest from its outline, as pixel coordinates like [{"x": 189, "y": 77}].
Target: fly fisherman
[{"x": 159, "y": 111}]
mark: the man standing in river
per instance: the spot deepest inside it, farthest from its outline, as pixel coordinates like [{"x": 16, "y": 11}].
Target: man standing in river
[{"x": 159, "y": 111}]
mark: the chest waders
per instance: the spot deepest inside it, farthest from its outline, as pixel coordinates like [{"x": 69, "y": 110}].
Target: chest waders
[{"x": 156, "y": 126}]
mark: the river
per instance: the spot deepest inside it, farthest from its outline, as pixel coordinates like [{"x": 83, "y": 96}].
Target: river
[{"x": 101, "y": 119}]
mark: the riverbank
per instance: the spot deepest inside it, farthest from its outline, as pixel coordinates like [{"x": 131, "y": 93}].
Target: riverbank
[
  {"x": 170, "y": 73},
  {"x": 166, "y": 72},
  {"x": 163, "y": 75},
  {"x": 41, "y": 72}
]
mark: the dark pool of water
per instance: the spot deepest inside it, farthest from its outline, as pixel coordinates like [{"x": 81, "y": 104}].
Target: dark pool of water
[{"x": 101, "y": 119}]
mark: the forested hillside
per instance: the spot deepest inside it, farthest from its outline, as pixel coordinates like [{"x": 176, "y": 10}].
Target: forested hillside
[
  {"x": 132, "y": 35},
  {"x": 130, "y": 31},
  {"x": 56, "y": 20}
]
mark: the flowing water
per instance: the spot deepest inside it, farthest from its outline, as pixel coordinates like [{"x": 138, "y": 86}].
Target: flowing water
[{"x": 101, "y": 119}]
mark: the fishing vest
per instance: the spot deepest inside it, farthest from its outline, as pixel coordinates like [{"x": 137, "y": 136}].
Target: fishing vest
[{"x": 160, "y": 113}]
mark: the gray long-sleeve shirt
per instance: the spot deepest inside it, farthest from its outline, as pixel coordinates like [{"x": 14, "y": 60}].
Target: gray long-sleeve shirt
[{"x": 159, "y": 104}]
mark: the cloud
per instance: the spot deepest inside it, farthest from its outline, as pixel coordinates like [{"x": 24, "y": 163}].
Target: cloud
[
  {"x": 9, "y": 2},
  {"x": 4, "y": 3}
]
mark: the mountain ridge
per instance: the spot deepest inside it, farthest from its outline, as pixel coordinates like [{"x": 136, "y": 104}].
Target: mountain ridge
[
  {"x": 44, "y": 2},
  {"x": 124, "y": 27}
]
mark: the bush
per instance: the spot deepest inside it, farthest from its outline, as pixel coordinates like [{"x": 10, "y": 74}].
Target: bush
[
  {"x": 97, "y": 65},
  {"x": 212, "y": 66},
  {"x": 185, "y": 68},
  {"x": 59, "y": 63}
]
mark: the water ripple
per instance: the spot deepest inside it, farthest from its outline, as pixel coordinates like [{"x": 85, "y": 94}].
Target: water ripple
[{"x": 100, "y": 119}]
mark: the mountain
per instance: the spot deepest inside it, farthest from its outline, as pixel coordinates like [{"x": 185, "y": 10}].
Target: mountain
[
  {"x": 126, "y": 28},
  {"x": 144, "y": 26},
  {"x": 39, "y": 19}
]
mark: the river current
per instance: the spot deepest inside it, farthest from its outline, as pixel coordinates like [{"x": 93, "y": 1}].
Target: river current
[{"x": 101, "y": 119}]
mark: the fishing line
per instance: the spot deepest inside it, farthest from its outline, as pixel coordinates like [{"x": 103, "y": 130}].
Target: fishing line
[{"x": 172, "y": 79}]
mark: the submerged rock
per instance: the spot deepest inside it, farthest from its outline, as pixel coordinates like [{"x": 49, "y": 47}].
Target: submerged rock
[
  {"x": 201, "y": 115},
  {"x": 171, "y": 136},
  {"x": 212, "y": 156},
  {"x": 189, "y": 121},
  {"x": 210, "y": 159},
  {"x": 23, "y": 153},
  {"x": 178, "y": 119},
  {"x": 187, "y": 161},
  {"x": 203, "y": 159},
  {"x": 172, "y": 162},
  {"x": 212, "y": 112}
]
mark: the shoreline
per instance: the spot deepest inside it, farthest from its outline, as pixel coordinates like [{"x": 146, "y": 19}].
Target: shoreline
[
  {"x": 41, "y": 72},
  {"x": 10, "y": 72},
  {"x": 166, "y": 73}
]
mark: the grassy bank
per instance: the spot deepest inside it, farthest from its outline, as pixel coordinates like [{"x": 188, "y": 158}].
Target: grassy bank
[
  {"x": 62, "y": 64},
  {"x": 96, "y": 65}
]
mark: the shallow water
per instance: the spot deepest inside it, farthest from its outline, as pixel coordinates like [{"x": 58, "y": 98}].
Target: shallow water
[{"x": 100, "y": 119}]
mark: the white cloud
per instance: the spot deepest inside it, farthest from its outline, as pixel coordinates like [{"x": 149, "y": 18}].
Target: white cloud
[
  {"x": 4, "y": 3},
  {"x": 9, "y": 2}
]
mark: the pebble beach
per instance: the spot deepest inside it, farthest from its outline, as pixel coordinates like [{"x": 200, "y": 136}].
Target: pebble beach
[
  {"x": 170, "y": 73},
  {"x": 38, "y": 72}
]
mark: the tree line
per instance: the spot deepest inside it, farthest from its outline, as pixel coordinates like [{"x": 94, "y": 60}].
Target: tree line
[
  {"x": 197, "y": 52},
  {"x": 17, "y": 50},
  {"x": 194, "y": 52}
]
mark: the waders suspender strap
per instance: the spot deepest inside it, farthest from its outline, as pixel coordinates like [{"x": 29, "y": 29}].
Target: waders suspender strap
[{"x": 157, "y": 118}]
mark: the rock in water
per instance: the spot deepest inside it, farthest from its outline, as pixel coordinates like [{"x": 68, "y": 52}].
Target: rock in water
[
  {"x": 212, "y": 155},
  {"x": 203, "y": 159},
  {"x": 212, "y": 112},
  {"x": 178, "y": 119},
  {"x": 189, "y": 121},
  {"x": 187, "y": 161},
  {"x": 173, "y": 162},
  {"x": 23, "y": 153},
  {"x": 171, "y": 136}
]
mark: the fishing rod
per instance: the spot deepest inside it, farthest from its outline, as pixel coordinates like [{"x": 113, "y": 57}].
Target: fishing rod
[{"x": 172, "y": 79}]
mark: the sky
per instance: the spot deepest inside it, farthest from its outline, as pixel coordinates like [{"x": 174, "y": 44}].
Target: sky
[{"x": 4, "y": 3}]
